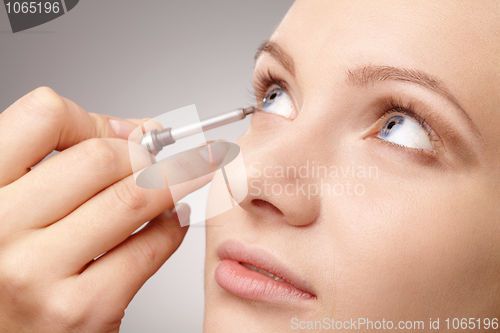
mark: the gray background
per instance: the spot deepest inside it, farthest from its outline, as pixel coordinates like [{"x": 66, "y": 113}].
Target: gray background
[{"x": 140, "y": 59}]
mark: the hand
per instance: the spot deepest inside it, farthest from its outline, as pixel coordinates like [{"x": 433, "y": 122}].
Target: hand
[{"x": 83, "y": 202}]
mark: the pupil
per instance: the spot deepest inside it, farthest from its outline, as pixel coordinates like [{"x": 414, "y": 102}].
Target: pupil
[
  {"x": 391, "y": 124},
  {"x": 273, "y": 95}
]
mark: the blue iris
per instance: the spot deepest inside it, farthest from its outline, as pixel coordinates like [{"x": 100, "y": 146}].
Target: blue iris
[
  {"x": 391, "y": 125},
  {"x": 271, "y": 97}
]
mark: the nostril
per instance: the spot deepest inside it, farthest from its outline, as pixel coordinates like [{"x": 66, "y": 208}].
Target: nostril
[{"x": 265, "y": 205}]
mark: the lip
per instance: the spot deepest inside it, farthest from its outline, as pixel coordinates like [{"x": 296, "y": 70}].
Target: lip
[{"x": 247, "y": 284}]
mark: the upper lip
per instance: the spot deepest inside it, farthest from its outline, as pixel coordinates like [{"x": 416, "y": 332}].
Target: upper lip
[{"x": 263, "y": 260}]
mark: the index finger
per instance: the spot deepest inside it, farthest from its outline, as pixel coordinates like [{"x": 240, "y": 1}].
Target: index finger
[{"x": 43, "y": 121}]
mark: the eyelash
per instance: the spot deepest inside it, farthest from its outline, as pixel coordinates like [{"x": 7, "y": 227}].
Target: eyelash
[
  {"x": 261, "y": 85},
  {"x": 391, "y": 106}
]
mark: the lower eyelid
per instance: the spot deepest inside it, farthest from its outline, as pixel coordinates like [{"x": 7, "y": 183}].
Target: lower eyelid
[
  {"x": 289, "y": 104},
  {"x": 420, "y": 156}
]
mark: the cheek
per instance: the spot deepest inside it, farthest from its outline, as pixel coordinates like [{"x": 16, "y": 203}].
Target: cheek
[
  {"x": 410, "y": 241},
  {"x": 263, "y": 127}
]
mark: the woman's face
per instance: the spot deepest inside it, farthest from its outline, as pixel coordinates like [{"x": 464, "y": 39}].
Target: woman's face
[{"x": 373, "y": 182}]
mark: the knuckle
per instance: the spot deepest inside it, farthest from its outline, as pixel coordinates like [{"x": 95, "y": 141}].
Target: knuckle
[
  {"x": 22, "y": 286},
  {"x": 16, "y": 278},
  {"x": 100, "y": 124},
  {"x": 54, "y": 107},
  {"x": 6, "y": 219},
  {"x": 64, "y": 312},
  {"x": 144, "y": 252},
  {"x": 129, "y": 195},
  {"x": 100, "y": 155}
]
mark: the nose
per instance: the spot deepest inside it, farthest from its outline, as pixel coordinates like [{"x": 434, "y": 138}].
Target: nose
[{"x": 280, "y": 185}]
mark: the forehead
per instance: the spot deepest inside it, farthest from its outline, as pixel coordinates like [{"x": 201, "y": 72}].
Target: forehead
[
  {"x": 456, "y": 41},
  {"x": 441, "y": 25}
]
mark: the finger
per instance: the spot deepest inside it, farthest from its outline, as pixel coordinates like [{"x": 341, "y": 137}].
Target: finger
[
  {"x": 108, "y": 218},
  {"x": 103, "y": 222},
  {"x": 68, "y": 179},
  {"x": 43, "y": 121},
  {"x": 186, "y": 166},
  {"x": 139, "y": 122},
  {"x": 145, "y": 124},
  {"x": 120, "y": 273}
]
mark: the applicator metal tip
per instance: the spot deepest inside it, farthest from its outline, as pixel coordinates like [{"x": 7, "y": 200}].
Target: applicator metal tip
[{"x": 249, "y": 110}]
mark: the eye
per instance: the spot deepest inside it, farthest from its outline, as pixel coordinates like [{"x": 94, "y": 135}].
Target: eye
[
  {"x": 277, "y": 101},
  {"x": 407, "y": 132}
]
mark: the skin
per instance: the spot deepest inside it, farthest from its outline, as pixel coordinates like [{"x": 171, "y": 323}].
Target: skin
[
  {"x": 73, "y": 207},
  {"x": 423, "y": 241}
]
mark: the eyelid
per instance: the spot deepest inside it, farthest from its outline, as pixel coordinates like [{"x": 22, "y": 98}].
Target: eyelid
[
  {"x": 418, "y": 155},
  {"x": 263, "y": 84},
  {"x": 410, "y": 151},
  {"x": 264, "y": 81},
  {"x": 392, "y": 107}
]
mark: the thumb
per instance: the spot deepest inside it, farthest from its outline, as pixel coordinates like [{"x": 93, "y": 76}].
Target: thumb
[{"x": 112, "y": 127}]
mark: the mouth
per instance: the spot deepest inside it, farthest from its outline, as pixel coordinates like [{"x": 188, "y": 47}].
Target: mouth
[
  {"x": 255, "y": 275},
  {"x": 261, "y": 271}
]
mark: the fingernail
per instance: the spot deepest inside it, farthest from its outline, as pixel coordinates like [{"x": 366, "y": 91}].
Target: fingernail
[
  {"x": 169, "y": 211},
  {"x": 147, "y": 126},
  {"x": 214, "y": 152},
  {"x": 151, "y": 124},
  {"x": 122, "y": 128},
  {"x": 183, "y": 211}
]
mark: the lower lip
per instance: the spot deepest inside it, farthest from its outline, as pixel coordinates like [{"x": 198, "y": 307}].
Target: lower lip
[{"x": 242, "y": 282}]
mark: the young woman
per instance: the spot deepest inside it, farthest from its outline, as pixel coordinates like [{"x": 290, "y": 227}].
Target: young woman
[
  {"x": 372, "y": 174},
  {"x": 410, "y": 90}
]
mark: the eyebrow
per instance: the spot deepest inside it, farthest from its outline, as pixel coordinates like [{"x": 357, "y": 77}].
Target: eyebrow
[
  {"x": 370, "y": 74},
  {"x": 278, "y": 53}
]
